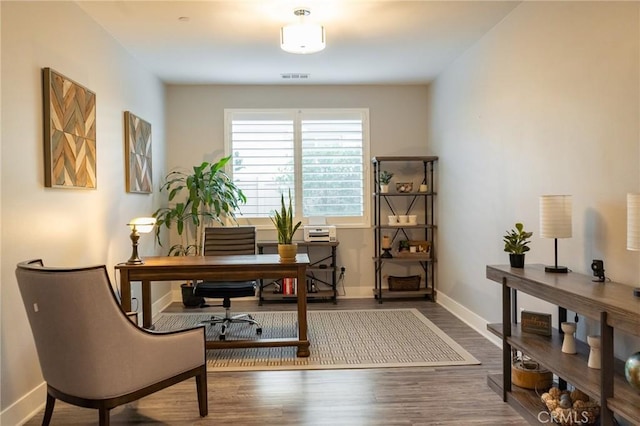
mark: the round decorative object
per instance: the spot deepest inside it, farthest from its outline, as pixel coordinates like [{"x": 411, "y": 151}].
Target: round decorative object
[{"x": 632, "y": 370}]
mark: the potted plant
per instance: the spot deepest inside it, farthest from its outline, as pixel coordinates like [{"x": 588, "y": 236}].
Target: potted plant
[
  {"x": 283, "y": 221},
  {"x": 197, "y": 199},
  {"x": 385, "y": 179},
  {"x": 516, "y": 243}
]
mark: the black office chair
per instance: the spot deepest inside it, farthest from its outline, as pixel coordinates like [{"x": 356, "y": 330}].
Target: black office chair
[{"x": 222, "y": 241}]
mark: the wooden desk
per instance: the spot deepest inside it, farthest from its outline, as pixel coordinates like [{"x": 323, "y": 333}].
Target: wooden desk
[{"x": 236, "y": 267}]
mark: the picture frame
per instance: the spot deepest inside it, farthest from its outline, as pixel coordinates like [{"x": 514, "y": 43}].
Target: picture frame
[
  {"x": 422, "y": 247},
  {"x": 138, "y": 167},
  {"x": 414, "y": 248},
  {"x": 69, "y": 132}
]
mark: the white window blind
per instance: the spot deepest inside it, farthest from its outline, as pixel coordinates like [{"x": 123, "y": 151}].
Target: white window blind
[{"x": 319, "y": 155}]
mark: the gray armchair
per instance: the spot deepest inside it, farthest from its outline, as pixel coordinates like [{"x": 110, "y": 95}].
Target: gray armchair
[{"x": 105, "y": 366}]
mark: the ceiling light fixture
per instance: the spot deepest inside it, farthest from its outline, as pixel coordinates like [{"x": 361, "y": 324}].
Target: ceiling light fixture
[{"x": 302, "y": 37}]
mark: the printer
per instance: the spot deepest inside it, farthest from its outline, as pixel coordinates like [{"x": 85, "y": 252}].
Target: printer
[{"x": 320, "y": 233}]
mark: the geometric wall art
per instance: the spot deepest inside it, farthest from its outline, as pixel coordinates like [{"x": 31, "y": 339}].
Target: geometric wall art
[
  {"x": 137, "y": 136},
  {"x": 69, "y": 133}
]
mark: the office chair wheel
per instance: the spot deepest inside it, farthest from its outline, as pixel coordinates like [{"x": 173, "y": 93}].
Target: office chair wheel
[{"x": 259, "y": 331}]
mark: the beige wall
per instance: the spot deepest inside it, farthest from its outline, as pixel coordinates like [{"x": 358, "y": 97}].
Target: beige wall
[
  {"x": 546, "y": 103},
  {"x": 64, "y": 227},
  {"x": 397, "y": 127}
]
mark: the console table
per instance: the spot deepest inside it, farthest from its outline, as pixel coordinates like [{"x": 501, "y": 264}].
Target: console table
[
  {"x": 212, "y": 268},
  {"x": 610, "y": 303}
]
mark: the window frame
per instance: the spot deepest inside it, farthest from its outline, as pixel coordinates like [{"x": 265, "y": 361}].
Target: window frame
[{"x": 297, "y": 115}]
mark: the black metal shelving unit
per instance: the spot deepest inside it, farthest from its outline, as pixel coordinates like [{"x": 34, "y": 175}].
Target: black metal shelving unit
[{"x": 414, "y": 202}]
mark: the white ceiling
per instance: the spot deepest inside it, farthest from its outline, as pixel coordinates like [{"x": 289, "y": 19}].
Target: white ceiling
[{"x": 237, "y": 41}]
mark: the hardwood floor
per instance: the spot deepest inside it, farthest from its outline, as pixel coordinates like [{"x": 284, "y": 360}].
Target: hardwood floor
[{"x": 386, "y": 396}]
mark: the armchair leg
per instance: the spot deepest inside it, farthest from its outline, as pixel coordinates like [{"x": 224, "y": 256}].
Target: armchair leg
[
  {"x": 48, "y": 411},
  {"x": 201, "y": 387},
  {"x": 103, "y": 416}
]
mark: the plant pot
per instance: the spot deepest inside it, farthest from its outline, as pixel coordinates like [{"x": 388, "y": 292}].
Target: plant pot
[
  {"x": 384, "y": 188},
  {"x": 516, "y": 260},
  {"x": 188, "y": 299},
  {"x": 287, "y": 252}
]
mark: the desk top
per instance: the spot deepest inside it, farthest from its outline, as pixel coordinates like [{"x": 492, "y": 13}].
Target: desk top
[{"x": 205, "y": 262}]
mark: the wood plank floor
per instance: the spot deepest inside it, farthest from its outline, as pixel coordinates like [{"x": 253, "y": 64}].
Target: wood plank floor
[{"x": 386, "y": 396}]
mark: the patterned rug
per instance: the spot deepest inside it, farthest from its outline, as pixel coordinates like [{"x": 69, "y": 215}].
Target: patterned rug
[{"x": 339, "y": 339}]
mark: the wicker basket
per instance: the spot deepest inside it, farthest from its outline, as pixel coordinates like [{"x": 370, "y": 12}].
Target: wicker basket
[{"x": 408, "y": 283}]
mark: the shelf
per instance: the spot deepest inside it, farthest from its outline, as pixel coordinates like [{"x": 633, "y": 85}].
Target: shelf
[
  {"x": 426, "y": 292},
  {"x": 547, "y": 351},
  {"x": 426, "y": 159},
  {"x": 301, "y": 243},
  {"x": 278, "y": 297},
  {"x": 417, "y": 226},
  {"x": 404, "y": 259},
  {"x": 405, "y": 194},
  {"x": 524, "y": 401}
]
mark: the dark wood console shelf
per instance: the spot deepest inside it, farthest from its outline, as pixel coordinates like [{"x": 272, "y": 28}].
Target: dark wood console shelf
[{"x": 610, "y": 303}]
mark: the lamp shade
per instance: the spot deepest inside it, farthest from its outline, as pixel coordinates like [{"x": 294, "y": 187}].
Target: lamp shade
[
  {"x": 143, "y": 225},
  {"x": 555, "y": 216},
  {"x": 633, "y": 222}
]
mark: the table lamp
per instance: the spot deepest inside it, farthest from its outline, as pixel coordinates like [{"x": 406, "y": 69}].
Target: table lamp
[
  {"x": 139, "y": 225},
  {"x": 633, "y": 227},
  {"x": 555, "y": 222}
]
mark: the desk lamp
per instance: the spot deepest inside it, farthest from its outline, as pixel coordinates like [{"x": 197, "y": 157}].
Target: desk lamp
[
  {"x": 555, "y": 222},
  {"x": 633, "y": 227},
  {"x": 138, "y": 225}
]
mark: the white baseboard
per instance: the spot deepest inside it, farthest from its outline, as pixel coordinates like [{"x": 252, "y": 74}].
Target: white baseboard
[
  {"x": 473, "y": 320},
  {"x": 26, "y": 407}
]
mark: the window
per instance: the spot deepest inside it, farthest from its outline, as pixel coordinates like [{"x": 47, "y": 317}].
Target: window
[{"x": 321, "y": 156}]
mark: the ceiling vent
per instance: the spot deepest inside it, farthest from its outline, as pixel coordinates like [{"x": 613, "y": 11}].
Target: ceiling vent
[{"x": 294, "y": 76}]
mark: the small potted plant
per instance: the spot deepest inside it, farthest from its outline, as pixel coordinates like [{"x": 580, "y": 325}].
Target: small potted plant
[
  {"x": 385, "y": 179},
  {"x": 516, "y": 243},
  {"x": 283, "y": 221}
]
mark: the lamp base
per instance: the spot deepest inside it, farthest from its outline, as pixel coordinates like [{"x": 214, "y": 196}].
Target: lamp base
[
  {"x": 137, "y": 261},
  {"x": 556, "y": 269},
  {"x": 387, "y": 253}
]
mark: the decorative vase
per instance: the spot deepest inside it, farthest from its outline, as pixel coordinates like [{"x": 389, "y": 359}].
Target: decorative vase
[
  {"x": 287, "y": 252},
  {"x": 569, "y": 342},
  {"x": 516, "y": 260},
  {"x": 384, "y": 188},
  {"x": 594, "y": 352},
  {"x": 632, "y": 370}
]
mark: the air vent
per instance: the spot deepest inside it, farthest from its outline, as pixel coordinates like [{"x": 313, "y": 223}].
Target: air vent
[{"x": 294, "y": 76}]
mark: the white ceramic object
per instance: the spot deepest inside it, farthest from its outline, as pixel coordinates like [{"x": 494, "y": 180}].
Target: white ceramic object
[
  {"x": 413, "y": 219},
  {"x": 594, "y": 352},
  {"x": 569, "y": 342},
  {"x": 393, "y": 220},
  {"x": 403, "y": 219},
  {"x": 423, "y": 188}
]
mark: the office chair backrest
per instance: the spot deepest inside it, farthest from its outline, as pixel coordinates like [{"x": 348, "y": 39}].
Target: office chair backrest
[{"x": 222, "y": 241}]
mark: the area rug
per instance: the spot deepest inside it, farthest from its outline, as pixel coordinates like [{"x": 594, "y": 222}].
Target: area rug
[{"x": 339, "y": 339}]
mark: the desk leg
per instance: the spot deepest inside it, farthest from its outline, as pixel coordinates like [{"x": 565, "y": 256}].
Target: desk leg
[
  {"x": 125, "y": 291},
  {"x": 146, "y": 304},
  {"x": 303, "y": 346}
]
